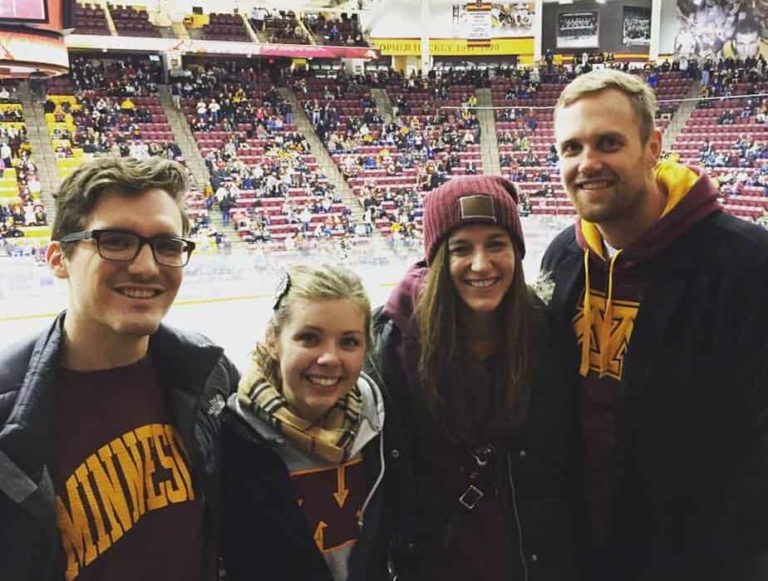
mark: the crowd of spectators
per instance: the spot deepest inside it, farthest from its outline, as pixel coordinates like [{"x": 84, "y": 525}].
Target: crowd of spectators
[
  {"x": 344, "y": 31},
  {"x": 258, "y": 156},
  {"x": 8, "y": 93},
  {"x": 280, "y": 27},
  {"x": 132, "y": 76},
  {"x": 18, "y": 213}
]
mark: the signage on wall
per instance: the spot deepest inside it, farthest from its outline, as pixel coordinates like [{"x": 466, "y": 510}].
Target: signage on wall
[{"x": 476, "y": 21}]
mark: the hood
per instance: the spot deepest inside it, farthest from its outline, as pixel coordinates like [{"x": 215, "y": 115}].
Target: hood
[
  {"x": 401, "y": 304},
  {"x": 691, "y": 197}
]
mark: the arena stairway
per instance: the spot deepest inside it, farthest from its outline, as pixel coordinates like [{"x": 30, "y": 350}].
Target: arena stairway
[
  {"x": 489, "y": 145},
  {"x": 383, "y": 104},
  {"x": 680, "y": 118},
  {"x": 42, "y": 150},
  {"x": 194, "y": 160},
  {"x": 324, "y": 159}
]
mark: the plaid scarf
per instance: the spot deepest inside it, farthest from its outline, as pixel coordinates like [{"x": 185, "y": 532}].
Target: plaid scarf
[{"x": 330, "y": 437}]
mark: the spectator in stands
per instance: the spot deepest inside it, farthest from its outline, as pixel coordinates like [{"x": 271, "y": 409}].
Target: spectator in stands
[
  {"x": 108, "y": 362},
  {"x": 659, "y": 329},
  {"x": 463, "y": 349},
  {"x": 726, "y": 117},
  {"x": 6, "y": 154}
]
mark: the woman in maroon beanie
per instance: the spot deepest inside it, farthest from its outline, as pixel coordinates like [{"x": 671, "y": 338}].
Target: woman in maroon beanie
[{"x": 463, "y": 346}]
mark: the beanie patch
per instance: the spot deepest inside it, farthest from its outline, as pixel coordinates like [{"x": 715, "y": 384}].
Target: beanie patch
[{"x": 477, "y": 207}]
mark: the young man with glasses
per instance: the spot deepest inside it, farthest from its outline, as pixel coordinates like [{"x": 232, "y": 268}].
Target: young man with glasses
[{"x": 108, "y": 419}]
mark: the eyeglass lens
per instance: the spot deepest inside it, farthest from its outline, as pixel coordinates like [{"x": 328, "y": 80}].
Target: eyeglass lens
[{"x": 125, "y": 246}]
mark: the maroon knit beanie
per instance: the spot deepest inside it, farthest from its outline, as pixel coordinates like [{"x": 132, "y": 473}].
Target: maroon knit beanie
[{"x": 470, "y": 199}]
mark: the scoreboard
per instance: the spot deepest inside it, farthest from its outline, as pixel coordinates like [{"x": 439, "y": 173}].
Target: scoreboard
[
  {"x": 32, "y": 37},
  {"x": 24, "y": 10}
]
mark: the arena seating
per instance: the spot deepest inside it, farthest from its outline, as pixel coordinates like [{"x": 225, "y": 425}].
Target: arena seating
[
  {"x": 22, "y": 214},
  {"x": 90, "y": 19},
  {"x": 250, "y": 128},
  {"x": 390, "y": 166},
  {"x": 274, "y": 189},
  {"x": 284, "y": 27},
  {"x": 225, "y": 27},
  {"x": 343, "y": 31},
  {"x": 105, "y": 106},
  {"x": 133, "y": 21},
  {"x": 729, "y": 137}
]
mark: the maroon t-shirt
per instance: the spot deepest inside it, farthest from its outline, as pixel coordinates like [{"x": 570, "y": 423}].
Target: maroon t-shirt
[{"x": 125, "y": 502}]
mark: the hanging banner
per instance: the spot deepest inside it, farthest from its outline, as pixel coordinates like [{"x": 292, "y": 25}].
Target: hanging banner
[{"x": 476, "y": 21}]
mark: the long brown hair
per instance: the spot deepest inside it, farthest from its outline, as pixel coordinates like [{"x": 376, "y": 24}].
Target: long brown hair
[{"x": 443, "y": 340}]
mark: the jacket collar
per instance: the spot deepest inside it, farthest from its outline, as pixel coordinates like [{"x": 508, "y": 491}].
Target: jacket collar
[{"x": 184, "y": 361}]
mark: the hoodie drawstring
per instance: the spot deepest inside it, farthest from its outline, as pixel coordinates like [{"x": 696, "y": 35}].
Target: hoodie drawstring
[{"x": 586, "y": 339}]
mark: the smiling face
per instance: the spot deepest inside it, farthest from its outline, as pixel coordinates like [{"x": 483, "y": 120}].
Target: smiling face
[
  {"x": 113, "y": 302},
  {"x": 606, "y": 168},
  {"x": 321, "y": 349},
  {"x": 481, "y": 264}
]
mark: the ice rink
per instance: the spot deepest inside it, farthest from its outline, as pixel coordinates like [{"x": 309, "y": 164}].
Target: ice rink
[{"x": 228, "y": 296}]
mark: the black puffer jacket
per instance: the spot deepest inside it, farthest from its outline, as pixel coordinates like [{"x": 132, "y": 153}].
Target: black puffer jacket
[{"x": 199, "y": 378}]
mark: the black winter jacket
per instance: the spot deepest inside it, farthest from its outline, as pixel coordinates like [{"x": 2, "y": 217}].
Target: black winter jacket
[
  {"x": 199, "y": 378},
  {"x": 691, "y": 498},
  {"x": 538, "y": 463}
]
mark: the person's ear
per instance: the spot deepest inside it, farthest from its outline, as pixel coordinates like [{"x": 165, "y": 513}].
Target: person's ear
[
  {"x": 654, "y": 143},
  {"x": 56, "y": 260}
]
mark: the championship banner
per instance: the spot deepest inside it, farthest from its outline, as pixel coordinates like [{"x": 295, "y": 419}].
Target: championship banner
[
  {"x": 636, "y": 26},
  {"x": 577, "y": 29}
]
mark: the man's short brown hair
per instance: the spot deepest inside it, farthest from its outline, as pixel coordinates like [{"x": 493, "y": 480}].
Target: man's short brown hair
[
  {"x": 79, "y": 192},
  {"x": 640, "y": 95}
]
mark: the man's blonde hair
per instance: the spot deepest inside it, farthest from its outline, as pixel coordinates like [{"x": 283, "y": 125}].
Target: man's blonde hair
[{"x": 640, "y": 95}]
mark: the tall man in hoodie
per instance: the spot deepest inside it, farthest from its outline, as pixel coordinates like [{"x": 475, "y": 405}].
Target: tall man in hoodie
[{"x": 660, "y": 300}]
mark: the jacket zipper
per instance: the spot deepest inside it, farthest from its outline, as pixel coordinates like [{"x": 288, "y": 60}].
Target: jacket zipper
[{"x": 518, "y": 523}]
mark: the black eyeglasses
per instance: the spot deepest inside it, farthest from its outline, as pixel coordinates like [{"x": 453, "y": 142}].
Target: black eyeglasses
[{"x": 124, "y": 246}]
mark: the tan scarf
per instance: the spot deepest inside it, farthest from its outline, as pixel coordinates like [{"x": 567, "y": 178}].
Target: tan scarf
[{"x": 329, "y": 437}]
